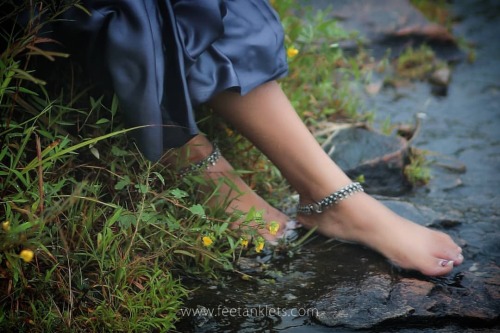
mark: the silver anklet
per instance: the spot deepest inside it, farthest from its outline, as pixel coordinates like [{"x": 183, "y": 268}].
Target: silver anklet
[
  {"x": 332, "y": 199},
  {"x": 205, "y": 163}
]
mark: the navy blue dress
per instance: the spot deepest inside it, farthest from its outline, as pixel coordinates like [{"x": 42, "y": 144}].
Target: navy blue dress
[{"x": 165, "y": 57}]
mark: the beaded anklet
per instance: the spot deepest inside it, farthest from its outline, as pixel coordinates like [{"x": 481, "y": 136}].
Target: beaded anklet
[
  {"x": 205, "y": 163},
  {"x": 332, "y": 199}
]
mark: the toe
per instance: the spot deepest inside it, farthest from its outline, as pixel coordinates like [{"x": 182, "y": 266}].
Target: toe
[
  {"x": 459, "y": 259},
  {"x": 451, "y": 253},
  {"x": 439, "y": 267}
]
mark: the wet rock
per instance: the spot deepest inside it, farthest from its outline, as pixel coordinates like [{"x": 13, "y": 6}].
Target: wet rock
[
  {"x": 392, "y": 23},
  {"x": 358, "y": 306},
  {"x": 203, "y": 315},
  {"x": 249, "y": 265},
  {"x": 374, "y": 87},
  {"x": 378, "y": 158},
  {"x": 440, "y": 80},
  {"x": 441, "y": 77},
  {"x": 391, "y": 17},
  {"x": 467, "y": 299},
  {"x": 419, "y": 214}
]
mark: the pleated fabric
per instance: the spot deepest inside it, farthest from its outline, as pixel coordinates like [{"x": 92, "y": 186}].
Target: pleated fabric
[{"x": 163, "y": 58}]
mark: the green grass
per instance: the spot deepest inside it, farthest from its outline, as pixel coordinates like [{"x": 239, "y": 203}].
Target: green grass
[{"x": 418, "y": 169}]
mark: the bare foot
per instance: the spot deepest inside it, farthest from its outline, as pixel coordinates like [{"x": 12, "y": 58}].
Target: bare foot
[
  {"x": 362, "y": 219},
  {"x": 242, "y": 198},
  {"x": 232, "y": 192}
]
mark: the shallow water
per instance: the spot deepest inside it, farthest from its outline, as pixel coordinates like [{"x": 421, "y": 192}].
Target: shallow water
[{"x": 464, "y": 127}]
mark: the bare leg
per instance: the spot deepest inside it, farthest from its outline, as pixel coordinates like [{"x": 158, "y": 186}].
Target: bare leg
[{"x": 267, "y": 118}]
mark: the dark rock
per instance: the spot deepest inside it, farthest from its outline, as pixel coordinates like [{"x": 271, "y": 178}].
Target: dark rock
[
  {"x": 379, "y": 158},
  {"x": 358, "y": 305},
  {"x": 393, "y": 24},
  {"x": 203, "y": 316},
  {"x": 249, "y": 265},
  {"x": 469, "y": 300},
  {"x": 424, "y": 215},
  {"x": 419, "y": 214}
]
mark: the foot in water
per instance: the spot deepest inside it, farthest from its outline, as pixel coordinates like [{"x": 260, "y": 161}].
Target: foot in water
[{"x": 362, "y": 219}]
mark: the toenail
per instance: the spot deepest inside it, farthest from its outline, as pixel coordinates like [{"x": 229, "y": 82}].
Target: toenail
[
  {"x": 444, "y": 263},
  {"x": 460, "y": 257}
]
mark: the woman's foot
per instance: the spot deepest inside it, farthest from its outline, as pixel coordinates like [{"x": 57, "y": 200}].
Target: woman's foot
[
  {"x": 241, "y": 198},
  {"x": 362, "y": 219},
  {"x": 232, "y": 192}
]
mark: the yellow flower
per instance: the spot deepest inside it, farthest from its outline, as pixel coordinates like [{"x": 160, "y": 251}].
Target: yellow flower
[
  {"x": 229, "y": 131},
  {"x": 273, "y": 227},
  {"x": 6, "y": 226},
  {"x": 292, "y": 52},
  {"x": 259, "y": 245},
  {"x": 207, "y": 241},
  {"x": 27, "y": 255},
  {"x": 244, "y": 242}
]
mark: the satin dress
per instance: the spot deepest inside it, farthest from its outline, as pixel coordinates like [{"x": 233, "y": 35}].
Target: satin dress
[{"x": 163, "y": 58}]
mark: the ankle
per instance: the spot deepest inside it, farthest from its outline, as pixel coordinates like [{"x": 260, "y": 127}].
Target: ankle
[
  {"x": 314, "y": 187},
  {"x": 202, "y": 164},
  {"x": 334, "y": 198},
  {"x": 194, "y": 151}
]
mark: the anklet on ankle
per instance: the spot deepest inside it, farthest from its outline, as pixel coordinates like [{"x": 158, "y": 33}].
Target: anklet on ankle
[
  {"x": 205, "y": 163},
  {"x": 332, "y": 199}
]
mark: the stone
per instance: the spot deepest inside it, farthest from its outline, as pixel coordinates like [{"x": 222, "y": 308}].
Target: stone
[
  {"x": 380, "y": 300},
  {"x": 441, "y": 77},
  {"x": 393, "y": 24},
  {"x": 378, "y": 158}
]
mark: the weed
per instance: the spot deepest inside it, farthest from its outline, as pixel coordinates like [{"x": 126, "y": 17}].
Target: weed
[
  {"x": 417, "y": 171},
  {"x": 112, "y": 234},
  {"x": 416, "y": 64}
]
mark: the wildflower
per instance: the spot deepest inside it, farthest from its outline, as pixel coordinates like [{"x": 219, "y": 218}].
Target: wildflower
[
  {"x": 6, "y": 226},
  {"x": 259, "y": 245},
  {"x": 273, "y": 227},
  {"x": 26, "y": 255},
  {"x": 207, "y": 241},
  {"x": 229, "y": 131},
  {"x": 244, "y": 242},
  {"x": 292, "y": 52}
]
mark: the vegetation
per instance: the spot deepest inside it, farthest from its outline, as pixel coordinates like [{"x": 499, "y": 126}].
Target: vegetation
[
  {"x": 437, "y": 11},
  {"x": 96, "y": 238},
  {"x": 417, "y": 171}
]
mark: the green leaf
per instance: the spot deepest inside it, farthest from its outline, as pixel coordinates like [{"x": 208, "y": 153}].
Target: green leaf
[
  {"x": 102, "y": 121},
  {"x": 186, "y": 253},
  {"x": 223, "y": 227},
  {"x": 126, "y": 221},
  {"x": 118, "y": 152},
  {"x": 197, "y": 210},
  {"x": 23, "y": 227},
  {"x": 148, "y": 217},
  {"x": 142, "y": 188},
  {"x": 178, "y": 194},
  {"x": 122, "y": 183},
  {"x": 116, "y": 216},
  {"x": 160, "y": 177}
]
